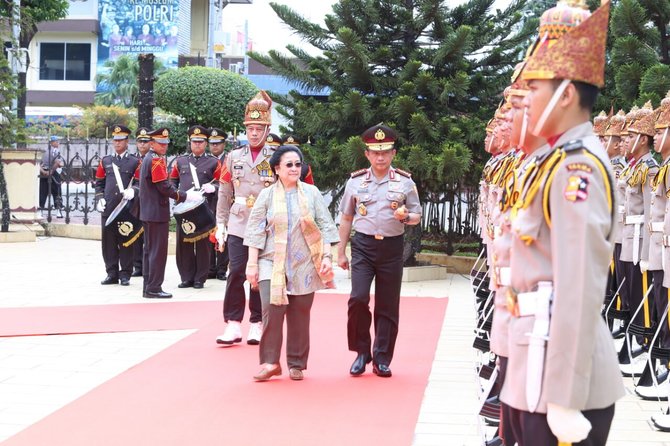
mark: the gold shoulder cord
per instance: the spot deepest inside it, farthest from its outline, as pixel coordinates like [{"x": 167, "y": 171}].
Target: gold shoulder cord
[
  {"x": 606, "y": 179},
  {"x": 659, "y": 178}
]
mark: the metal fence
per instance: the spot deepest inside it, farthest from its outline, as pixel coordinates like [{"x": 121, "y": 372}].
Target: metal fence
[{"x": 453, "y": 214}]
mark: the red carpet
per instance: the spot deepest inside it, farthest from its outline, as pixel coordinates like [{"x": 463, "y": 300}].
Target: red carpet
[{"x": 195, "y": 393}]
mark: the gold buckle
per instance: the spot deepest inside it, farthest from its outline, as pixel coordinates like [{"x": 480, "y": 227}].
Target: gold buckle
[
  {"x": 379, "y": 237},
  {"x": 512, "y": 302}
]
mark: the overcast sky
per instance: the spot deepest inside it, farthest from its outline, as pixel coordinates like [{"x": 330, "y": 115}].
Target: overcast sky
[{"x": 268, "y": 32}]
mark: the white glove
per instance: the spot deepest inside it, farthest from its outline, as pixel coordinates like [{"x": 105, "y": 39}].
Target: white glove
[
  {"x": 569, "y": 425},
  {"x": 192, "y": 195},
  {"x": 129, "y": 193},
  {"x": 220, "y": 234},
  {"x": 59, "y": 170},
  {"x": 100, "y": 205},
  {"x": 208, "y": 188},
  {"x": 644, "y": 266}
]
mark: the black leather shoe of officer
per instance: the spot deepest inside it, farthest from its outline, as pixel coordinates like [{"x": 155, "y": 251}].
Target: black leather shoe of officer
[
  {"x": 221, "y": 276},
  {"x": 124, "y": 282},
  {"x": 185, "y": 284},
  {"x": 136, "y": 273},
  {"x": 198, "y": 285},
  {"x": 109, "y": 281},
  {"x": 358, "y": 367},
  {"x": 381, "y": 370},
  {"x": 157, "y": 295}
]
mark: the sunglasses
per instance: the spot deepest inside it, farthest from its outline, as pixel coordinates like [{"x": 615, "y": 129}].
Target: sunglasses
[{"x": 291, "y": 164}]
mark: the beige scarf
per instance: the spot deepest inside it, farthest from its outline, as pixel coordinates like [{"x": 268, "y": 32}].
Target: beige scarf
[{"x": 312, "y": 236}]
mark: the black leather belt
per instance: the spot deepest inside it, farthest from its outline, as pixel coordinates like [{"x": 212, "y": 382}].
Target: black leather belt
[{"x": 378, "y": 237}]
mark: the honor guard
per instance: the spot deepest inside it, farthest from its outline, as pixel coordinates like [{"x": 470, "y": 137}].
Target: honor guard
[
  {"x": 244, "y": 174},
  {"x": 658, "y": 298},
  {"x": 614, "y": 148},
  {"x": 218, "y": 266},
  {"x": 143, "y": 142},
  {"x": 662, "y": 145},
  {"x": 112, "y": 184},
  {"x": 378, "y": 202},
  {"x": 155, "y": 193},
  {"x": 562, "y": 376},
  {"x": 197, "y": 171},
  {"x": 636, "y": 234}
]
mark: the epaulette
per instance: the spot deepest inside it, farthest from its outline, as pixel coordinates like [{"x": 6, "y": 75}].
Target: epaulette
[
  {"x": 651, "y": 162},
  {"x": 618, "y": 162},
  {"x": 358, "y": 173},
  {"x": 404, "y": 173},
  {"x": 572, "y": 146}
]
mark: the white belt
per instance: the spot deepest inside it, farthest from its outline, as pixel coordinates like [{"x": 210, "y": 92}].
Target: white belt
[
  {"x": 526, "y": 303},
  {"x": 503, "y": 275},
  {"x": 241, "y": 200},
  {"x": 636, "y": 220},
  {"x": 656, "y": 226}
]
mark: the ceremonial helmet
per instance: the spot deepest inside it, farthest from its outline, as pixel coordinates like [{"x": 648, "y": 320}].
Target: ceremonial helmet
[
  {"x": 600, "y": 123},
  {"x": 616, "y": 124},
  {"x": 259, "y": 110}
]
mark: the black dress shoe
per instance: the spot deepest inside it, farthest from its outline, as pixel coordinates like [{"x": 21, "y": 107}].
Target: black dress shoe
[
  {"x": 109, "y": 281},
  {"x": 137, "y": 273},
  {"x": 157, "y": 295},
  {"x": 125, "y": 282},
  {"x": 358, "y": 367},
  {"x": 185, "y": 284},
  {"x": 381, "y": 370},
  {"x": 198, "y": 285},
  {"x": 221, "y": 276}
]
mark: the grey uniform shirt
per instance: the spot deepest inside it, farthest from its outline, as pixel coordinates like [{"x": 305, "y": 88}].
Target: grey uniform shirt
[
  {"x": 619, "y": 166},
  {"x": 656, "y": 220},
  {"x": 372, "y": 202},
  {"x": 242, "y": 181},
  {"x": 301, "y": 275}
]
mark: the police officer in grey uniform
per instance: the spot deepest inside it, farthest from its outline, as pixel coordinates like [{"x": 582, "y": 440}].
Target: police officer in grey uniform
[
  {"x": 378, "y": 202},
  {"x": 244, "y": 174}
]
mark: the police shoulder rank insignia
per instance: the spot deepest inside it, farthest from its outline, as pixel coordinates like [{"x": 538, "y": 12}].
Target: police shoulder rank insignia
[
  {"x": 576, "y": 189},
  {"x": 404, "y": 173},
  {"x": 358, "y": 173},
  {"x": 579, "y": 166}
]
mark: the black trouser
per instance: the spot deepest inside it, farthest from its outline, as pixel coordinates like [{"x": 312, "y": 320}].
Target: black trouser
[
  {"x": 235, "y": 299},
  {"x": 505, "y": 427},
  {"x": 54, "y": 190},
  {"x": 155, "y": 254},
  {"x": 193, "y": 259},
  {"x": 637, "y": 284},
  {"x": 661, "y": 299},
  {"x": 114, "y": 253},
  {"x": 380, "y": 260},
  {"x": 138, "y": 253},
  {"x": 620, "y": 273},
  {"x": 218, "y": 263},
  {"x": 532, "y": 429}
]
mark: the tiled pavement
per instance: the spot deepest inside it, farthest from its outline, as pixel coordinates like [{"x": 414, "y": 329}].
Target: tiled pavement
[{"x": 40, "y": 374}]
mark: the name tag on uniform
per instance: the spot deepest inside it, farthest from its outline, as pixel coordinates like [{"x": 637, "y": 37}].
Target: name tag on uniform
[
  {"x": 238, "y": 166},
  {"x": 395, "y": 186}
]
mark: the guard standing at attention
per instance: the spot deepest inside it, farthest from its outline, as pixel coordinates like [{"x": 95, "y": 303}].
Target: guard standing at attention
[
  {"x": 155, "y": 194},
  {"x": 218, "y": 266},
  {"x": 562, "y": 377},
  {"x": 196, "y": 171},
  {"x": 112, "y": 181},
  {"x": 244, "y": 174},
  {"x": 143, "y": 142},
  {"x": 378, "y": 202}
]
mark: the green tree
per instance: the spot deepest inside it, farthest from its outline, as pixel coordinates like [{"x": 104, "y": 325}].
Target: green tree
[
  {"x": 205, "y": 96},
  {"x": 118, "y": 81},
  {"x": 32, "y": 13},
  {"x": 98, "y": 121},
  {"x": 8, "y": 92},
  {"x": 639, "y": 54},
  {"x": 432, "y": 72}
]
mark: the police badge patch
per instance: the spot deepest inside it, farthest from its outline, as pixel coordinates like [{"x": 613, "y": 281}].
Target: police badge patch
[{"x": 577, "y": 189}]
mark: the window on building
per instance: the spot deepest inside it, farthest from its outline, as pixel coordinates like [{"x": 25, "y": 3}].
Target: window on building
[{"x": 65, "y": 61}]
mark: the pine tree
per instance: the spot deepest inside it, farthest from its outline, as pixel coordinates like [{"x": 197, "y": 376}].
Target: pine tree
[
  {"x": 639, "y": 54},
  {"x": 433, "y": 73}
]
